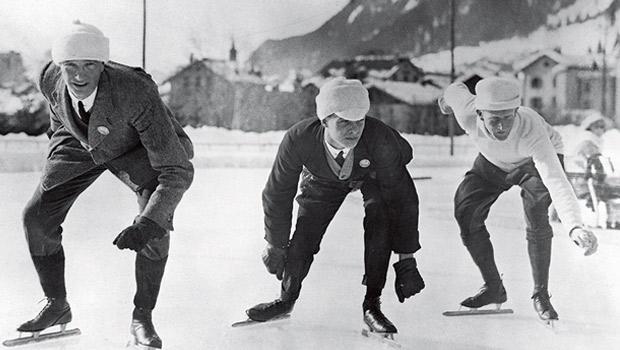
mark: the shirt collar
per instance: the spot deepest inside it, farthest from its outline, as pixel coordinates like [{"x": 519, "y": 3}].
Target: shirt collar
[
  {"x": 88, "y": 101},
  {"x": 334, "y": 152}
]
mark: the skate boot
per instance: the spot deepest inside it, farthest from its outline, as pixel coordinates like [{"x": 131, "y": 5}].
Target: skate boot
[
  {"x": 375, "y": 319},
  {"x": 543, "y": 307},
  {"x": 56, "y": 312},
  {"x": 270, "y": 311},
  {"x": 485, "y": 296},
  {"x": 143, "y": 332}
]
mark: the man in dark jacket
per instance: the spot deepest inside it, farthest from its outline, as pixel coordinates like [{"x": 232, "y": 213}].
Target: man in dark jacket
[
  {"x": 105, "y": 116},
  {"x": 340, "y": 152}
]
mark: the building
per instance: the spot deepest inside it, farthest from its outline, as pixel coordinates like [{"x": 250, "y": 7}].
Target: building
[
  {"x": 553, "y": 83},
  {"x": 218, "y": 93},
  {"x": 383, "y": 67}
]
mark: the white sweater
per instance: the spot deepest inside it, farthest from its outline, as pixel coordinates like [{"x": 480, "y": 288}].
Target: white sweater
[{"x": 530, "y": 138}]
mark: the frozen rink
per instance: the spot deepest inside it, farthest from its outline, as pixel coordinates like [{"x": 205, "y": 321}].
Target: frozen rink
[{"x": 214, "y": 273}]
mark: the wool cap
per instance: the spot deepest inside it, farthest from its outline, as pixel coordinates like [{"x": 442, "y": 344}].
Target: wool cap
[
  {"x": 592, "y": 118},
  {"x": 81, "y": 41},
  {"x": 347, "y": 98},
  {"x": 496, "y": 94}
]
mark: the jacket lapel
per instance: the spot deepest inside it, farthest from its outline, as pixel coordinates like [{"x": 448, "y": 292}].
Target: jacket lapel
[
  {"x": 66, "y": 111},
  {"x": 100, "y": 124}
]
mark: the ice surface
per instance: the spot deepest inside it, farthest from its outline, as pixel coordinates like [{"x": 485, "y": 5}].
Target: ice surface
[{"x": 215, "y": 273}]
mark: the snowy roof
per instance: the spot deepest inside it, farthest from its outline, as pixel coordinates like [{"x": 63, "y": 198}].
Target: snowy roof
[
  {"x": 412, "y": 93},
  {"x": 561, "y": 59},
  {"x": 223, "y": 68}
]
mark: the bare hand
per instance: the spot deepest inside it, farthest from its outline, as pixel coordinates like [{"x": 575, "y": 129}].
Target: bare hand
[{"x": 585, "y": 239}]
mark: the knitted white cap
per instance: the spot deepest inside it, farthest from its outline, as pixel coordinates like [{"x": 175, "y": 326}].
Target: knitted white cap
[
  {"x": 592, "y": 118},
  {"x": 496, "y": 94},
  {"x": 347, "y": 98},
  {"x": 81, "y": 42}
]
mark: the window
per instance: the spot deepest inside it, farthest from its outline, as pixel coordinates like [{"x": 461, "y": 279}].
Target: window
[
  {"x": 554, "y": 102},
  {"x": 536, "y": 103},
  {"x": 536, "y": 83}
]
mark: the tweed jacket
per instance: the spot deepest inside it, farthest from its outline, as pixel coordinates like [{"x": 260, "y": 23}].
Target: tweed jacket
[
  {"x": 381, "y": 155},
  {"x": 131, "y": 132}
]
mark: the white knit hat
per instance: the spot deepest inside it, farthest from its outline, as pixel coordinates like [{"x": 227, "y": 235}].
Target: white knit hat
[
  {"x": 81, "y": 42},
  {"x": 496, "y": 94},
  {"x": 592, "y": 118},
  {"x": 347, "y": 98}
]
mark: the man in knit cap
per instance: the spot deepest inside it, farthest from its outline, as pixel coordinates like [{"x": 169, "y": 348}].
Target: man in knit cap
[
  {"x": 340, "y": 152},
  {"x": 105, "y": 116},
  {"x": 517, "y": 147}
]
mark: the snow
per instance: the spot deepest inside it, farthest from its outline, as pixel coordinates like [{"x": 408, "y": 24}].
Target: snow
[
  {"x": 581, "y": 9},
  {"x": 355, "y": 13},
  {"x": 214, "y": 273},
  {"x": 9, "y": 103},
  {"x": 411, "y": 4}
]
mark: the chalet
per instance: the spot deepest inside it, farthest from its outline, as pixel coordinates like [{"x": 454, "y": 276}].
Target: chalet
[
  {"x": 553, "y": 82},
  {"x": 374, "y": 66}
]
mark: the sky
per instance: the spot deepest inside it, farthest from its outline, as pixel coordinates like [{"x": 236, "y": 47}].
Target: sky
[{"x": 175, "y": 29}]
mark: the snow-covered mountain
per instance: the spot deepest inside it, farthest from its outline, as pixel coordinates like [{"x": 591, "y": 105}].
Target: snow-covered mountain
[{"x": 419, "y": 27}]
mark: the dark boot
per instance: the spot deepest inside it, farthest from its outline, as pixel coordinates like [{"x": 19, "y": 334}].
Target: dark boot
[
  {"x": 375, "y": 319},
  {"x": 268, "y": 311},
  {"x": 51, "y": 272},
  {"x": 539, "y": 252},
  {"x": 542, "y": 305},
  {"x": 493, "y": 294},
  {"x": 149, "y": 274},
  {"x": 142, "y": 330},
  {"x": 55, "y": 312}
]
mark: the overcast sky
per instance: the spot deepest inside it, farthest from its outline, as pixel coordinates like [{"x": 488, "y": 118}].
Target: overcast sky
[{"x": 174, "y": 28}]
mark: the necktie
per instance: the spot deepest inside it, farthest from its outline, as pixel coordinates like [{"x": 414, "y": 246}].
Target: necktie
[
  {"x": 85, "y": 116},
  {"x": 340, "y": 158}
]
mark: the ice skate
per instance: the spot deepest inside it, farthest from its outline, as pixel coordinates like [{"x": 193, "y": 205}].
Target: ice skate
[
  {"x": 542, "y": 305},
  {"x": 267, "y": 312},
  {"x": 56, "y": 312},
  {"x": 142, "y": 331},
  {"x": 485, "y": 296},
  {"x": 377, "y": 324}
]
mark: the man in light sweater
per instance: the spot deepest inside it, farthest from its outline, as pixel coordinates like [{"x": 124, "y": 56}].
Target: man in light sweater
[{"x": 517, "y": 147}]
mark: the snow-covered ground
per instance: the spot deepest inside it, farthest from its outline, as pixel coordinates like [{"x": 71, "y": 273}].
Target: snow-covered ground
[{"x": 215, "y": 273}]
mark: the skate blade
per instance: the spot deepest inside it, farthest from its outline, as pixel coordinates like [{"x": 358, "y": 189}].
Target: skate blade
[
  {"x": 133, "y": 344},
  {"x": 250, "y": 322},
  {"x": 551, "y": 324},
  {"x": 37, "y": 337},
  {"x": 472, "y": 312},
  {"x": 385, "y": 338}
]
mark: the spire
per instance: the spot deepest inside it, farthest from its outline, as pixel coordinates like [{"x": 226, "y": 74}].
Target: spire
[{"x": 232, "y": 54}]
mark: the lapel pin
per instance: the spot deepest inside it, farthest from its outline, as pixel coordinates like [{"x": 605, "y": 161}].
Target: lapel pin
[
  {"x": 103, "y": 130},
  {"x": 364, "y": 163}
]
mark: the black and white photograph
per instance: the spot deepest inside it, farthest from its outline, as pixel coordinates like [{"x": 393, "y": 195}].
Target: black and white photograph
[{"x": 301, "y": 175}]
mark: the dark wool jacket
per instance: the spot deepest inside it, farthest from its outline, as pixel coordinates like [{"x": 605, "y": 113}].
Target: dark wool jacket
[
  {"x": 381, "y": 155},
  {"x": 131, "y": 132}
]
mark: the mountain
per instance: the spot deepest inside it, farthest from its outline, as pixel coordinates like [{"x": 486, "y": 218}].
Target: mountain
[{"x": 418, "y": 27}]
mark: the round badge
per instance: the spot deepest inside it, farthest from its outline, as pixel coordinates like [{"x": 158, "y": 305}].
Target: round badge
[
  {"x": 364, "y": 163},
  {"x": 103, "y": 130}
]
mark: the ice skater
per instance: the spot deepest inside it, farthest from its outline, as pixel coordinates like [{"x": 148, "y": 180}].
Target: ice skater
[
  {"x": 517, "y": 147},
  {"x": 342, "y": 151},
  {"x": 105, "y": 116}
]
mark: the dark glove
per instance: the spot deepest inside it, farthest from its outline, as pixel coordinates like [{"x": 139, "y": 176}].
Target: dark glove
[
  {"x": 136, "y": 236},
  {"x": 274, "y": 259},
  {"x": 522, "y": 173},
  {"x": 408, "y": 280}
]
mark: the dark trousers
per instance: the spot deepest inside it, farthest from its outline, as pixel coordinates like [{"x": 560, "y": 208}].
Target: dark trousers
[
  {"x": 42, "y": 219},
  {"x": 474, "y": 197},
  {"x": 318, "y": 203}
]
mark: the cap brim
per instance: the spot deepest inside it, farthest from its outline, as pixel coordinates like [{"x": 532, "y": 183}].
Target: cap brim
[{"x": 353, "y": 114}]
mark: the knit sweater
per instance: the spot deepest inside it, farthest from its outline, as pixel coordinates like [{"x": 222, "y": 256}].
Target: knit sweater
[{"x": 530, "y": 138}]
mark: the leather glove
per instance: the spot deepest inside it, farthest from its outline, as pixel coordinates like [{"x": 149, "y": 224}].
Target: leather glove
[
  {"x": 585, "y": 239},
  {"x": 522, "y": 174},
  {"x": 274, "y": 259},
  {"x": 408, "y": 280},
  {"x": 136, "y": 236}
]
